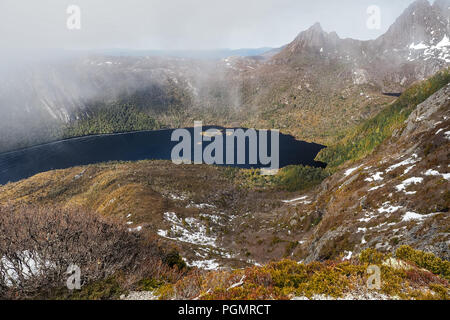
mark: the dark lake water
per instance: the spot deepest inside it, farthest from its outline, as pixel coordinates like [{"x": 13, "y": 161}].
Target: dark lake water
[{"x": 144, "y": 145}]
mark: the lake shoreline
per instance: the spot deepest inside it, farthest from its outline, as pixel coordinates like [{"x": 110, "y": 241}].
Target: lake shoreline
[{"x": 132, "y": 146}]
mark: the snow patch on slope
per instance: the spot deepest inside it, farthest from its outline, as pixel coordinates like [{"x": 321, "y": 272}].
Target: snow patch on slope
[{"x": 189, "y": 230}]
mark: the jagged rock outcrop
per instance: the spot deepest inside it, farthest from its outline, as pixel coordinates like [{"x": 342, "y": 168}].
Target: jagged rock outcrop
[
  {"x": 416, "y": 46},
  {"x": 397, "y": 195}
]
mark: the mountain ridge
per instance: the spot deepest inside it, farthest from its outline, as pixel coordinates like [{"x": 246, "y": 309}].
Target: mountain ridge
[
  {"x": 315, "y": 88},
  {"x": 371, "y": 201}
]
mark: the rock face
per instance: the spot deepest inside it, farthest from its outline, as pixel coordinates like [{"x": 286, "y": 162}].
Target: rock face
[
  {"x": 420, "y": 22},
  {"x": 418, "y": 41},
  {"x": 314, "y": 39},
  {"x": 416, "y": 46},
  {"x": 322, "y": 81},
  {"x": 421, "y": 119},
  {"x": 398, "y": 195}
]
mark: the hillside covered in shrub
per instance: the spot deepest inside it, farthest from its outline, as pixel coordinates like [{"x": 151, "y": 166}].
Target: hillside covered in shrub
[{"x": 363, "y": 139}]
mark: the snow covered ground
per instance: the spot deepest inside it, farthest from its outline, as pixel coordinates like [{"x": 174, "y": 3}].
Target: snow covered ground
[{"x": 188, "y": 230}]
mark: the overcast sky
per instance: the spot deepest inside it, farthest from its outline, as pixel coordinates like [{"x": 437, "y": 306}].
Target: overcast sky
[{"x": 184, "y": 24}]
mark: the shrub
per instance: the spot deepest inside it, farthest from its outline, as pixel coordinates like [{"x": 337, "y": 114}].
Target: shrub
[
  {"x": 173, "y": 259},
  {"x": 371, "y": 256},
  {"x": 286, "y": 279},
  {"x": 291, "y": 178},
  {"x": 297, "y": 178},
  {"x": 425, "y": 260},
  {"x": 362, "y": 140},
  {"x": 37, "y": 245}
]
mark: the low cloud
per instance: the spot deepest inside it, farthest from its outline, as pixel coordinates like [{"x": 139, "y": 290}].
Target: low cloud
[{"x": 183, "y": 24}]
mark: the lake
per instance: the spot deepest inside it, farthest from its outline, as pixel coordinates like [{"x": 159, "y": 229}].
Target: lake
[{"x": 133, "y": 146}]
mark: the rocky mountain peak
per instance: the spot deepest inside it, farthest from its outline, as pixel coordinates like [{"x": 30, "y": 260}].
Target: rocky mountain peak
[
  {"x": 416, "y": 45},
  {"x": 443, "y": 5},
  {"x": 420, "y": 23},
  {"x": 314, "y": 39},
  {"x": 418, "y": 4},
  {"x": 317, "y": 27}
]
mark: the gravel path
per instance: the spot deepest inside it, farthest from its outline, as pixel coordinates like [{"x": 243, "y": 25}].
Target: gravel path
[{"x": 139, "y": 295}]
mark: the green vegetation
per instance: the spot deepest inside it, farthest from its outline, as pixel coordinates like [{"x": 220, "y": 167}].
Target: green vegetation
[
  {"x": 287, "y": 279},
  {"x": 173, "y": 259},
  {"x": 372, "y": 256},
  {"x": 111, "y": 119},
  {"x": 290, "y": 178},
  {"x": 425, "y": 260},
  {"x": 278, "y": 280},
  {"x": 297, "y": 178},
  {"x": 363, "y": 139},
  {"x": 109, "y": 288}
]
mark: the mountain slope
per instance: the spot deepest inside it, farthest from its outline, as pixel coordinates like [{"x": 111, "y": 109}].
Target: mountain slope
[
  {"x": 320, "y": 85},
  {"x": 415, "y": 47},
  {"x": 397, "y": 195},
  {"x": 361, "y": 140},
  {"x": 316, "y": 88}
]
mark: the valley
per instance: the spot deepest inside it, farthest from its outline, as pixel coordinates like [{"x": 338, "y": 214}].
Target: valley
[
  {"x": 315, "y": 88},
  {"x": 208, "y": 212},
  {"x": 364, "y": 179}
]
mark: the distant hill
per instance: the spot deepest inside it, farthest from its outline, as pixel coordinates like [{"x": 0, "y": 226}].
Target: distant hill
[
  {"x": 189, "y": 54},
  {"x": 317, "y": 88},
  {"x": 388, "y": 186}
]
